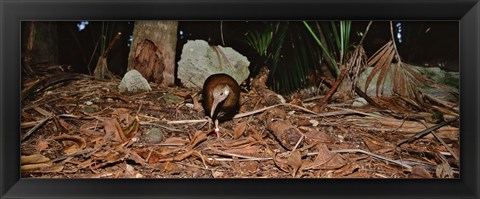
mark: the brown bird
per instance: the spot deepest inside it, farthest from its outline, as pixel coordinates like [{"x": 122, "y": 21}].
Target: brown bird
[{"x": 221, "y": 95}]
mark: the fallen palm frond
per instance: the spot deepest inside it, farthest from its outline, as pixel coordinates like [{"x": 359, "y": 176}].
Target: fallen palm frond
[
  {"x": 356, "y": 64},
  {"x": 405, "y": 80}
]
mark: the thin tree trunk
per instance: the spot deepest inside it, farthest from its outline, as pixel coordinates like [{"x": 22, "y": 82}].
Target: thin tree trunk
[
  {"x": 153, "y": 50},
  {"x": 40, "y": 44}
]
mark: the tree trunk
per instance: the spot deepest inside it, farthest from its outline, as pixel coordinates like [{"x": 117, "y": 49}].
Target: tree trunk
[
  {"x": 40, "y": 44},
  {"x": 153, "y": 50}
]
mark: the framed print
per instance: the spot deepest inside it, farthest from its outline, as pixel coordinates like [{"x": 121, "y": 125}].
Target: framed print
[{"x": 246, "y": 99}]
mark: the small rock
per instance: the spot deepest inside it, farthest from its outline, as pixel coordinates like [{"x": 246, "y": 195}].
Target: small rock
[
  {"x": 358, "y": 102},
  {"x": 133, "y": 82},
  {"x": 341, "y": 137},
  {"x": 218, "y": 174},
  {"x": 153, "y": 136}
]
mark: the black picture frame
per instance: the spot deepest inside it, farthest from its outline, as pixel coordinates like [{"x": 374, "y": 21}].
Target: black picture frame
[{"x": 467, "y": 12}]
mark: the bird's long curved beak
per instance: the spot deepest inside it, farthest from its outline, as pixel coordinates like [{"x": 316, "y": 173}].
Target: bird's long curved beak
[{"x": 214, "y": 106}]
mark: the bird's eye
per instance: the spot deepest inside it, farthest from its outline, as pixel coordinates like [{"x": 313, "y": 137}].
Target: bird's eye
[{"x": 221, "y": 93}]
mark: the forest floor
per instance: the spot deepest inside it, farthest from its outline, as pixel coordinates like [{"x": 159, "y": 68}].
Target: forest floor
[{"x": 78, "y": 127}]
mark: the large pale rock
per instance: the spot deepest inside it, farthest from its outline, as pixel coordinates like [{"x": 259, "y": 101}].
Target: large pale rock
[{"x": 200, "y": 60}]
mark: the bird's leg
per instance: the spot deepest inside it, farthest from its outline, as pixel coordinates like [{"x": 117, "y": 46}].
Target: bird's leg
[
  {"x": 217, "y": 130},
  {"x": 210, "y": 122}
]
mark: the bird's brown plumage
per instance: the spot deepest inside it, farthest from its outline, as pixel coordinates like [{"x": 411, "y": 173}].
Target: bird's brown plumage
[{"x": 216, "y": 85}]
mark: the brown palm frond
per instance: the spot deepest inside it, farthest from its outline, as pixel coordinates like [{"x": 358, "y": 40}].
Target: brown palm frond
[
  {"x": 405, "y": 80},
  {"x": 383, "y": 73},
  {"x": 356, "y": 64},
  {"x": 416, "y": 75},
  {"x": 398, "y": 80},
  {"x": 380, "y": 60},
  {"x": 380, "y": 51}
]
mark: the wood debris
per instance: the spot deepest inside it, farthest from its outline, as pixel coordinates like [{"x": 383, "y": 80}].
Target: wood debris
[{"x": 74, "y": 126}]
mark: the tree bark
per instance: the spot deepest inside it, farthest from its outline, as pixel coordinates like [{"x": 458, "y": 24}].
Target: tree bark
[
  {"x": 40, "y": 44},
  {"x": 153, "y": 50}
]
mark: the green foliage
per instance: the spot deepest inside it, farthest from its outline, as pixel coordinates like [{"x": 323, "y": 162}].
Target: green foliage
[
  {"x": 260, "y": 40},
  {"x": 334, "y": 40},
  {"x": 287, "y": 51}
]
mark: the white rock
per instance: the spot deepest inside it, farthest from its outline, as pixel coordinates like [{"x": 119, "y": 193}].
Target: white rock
[
  {"x": 360, "y": 101},
  {"x": 133, "y": 82}
]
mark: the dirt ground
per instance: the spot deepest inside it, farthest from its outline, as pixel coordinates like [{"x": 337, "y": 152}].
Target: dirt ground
[{"x": 74, "y": 126}]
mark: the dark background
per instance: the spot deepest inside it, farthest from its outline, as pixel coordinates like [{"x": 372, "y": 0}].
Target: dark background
[{"x": 424, "y": 43}]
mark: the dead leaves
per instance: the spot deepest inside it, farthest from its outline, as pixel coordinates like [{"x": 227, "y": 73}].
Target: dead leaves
[
  {"x": 381, "y": 61},
  {"x": 298, "y": 163},
  {"x": 41, "y": 144},
  {"x": 326, "y": 159},
  {"x": 139, "y": 139},
  {"x": 71, "y": 144},
  {"x": 34, "y": 161},
  {"x": 405, "y": 80},
  {"x": 289, "y": 162},
  {"x": 239, "y": 130}
]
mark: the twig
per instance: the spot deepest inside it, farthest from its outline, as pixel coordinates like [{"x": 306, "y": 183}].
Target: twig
[
  {"x": 114, "y": 40},
  {"x": 36, "y": 127},
  {"x": 445, "y": 104},
  {"x": 367, "y": 98},
  {"x": 397, "y": 55},
  {"x": 240, "y": 160},
  {"x": 218, "y": 152},
  {"x": 314, "y": 98},
  {"x": 286, "y": 104},
  {"x": 359, "y": 112},
  {"x": 247, "y": 158},
  {"x": 403, "y": 122},
  {"x": 221, "y": 32},
  {"x": 240, "y": 115},
  {"x": 77, "y": 153},
  {"x": 318, "y": 107},
  {"x": 92, "y": 56},
  {"x": 372, "y": 154},
  {"x": 301, "y": 108},
  {"x": 160, "y": 144},
  {"x": 187, "y": 121},
  {"x": 446, "y": 146},
  {"x": 366, "y": 31},
  {"x": 192, "y": 165},
  {"x": 161, "y": 126},
  {"x": 426, "y": 131},
  {"x": 298, "y": 143},
  {"x": 139, "y": 108},
  {"x": 333, "y": 113}
]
